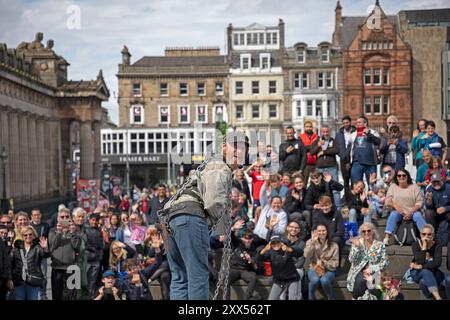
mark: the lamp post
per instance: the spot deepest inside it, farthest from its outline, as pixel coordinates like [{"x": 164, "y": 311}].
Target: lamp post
[{"x": 4, "y": 158}]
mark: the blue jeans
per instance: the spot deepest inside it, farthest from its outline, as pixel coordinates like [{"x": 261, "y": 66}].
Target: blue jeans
[
  {"x": 188, "y": 258},
  {"x": 353, "y": 216},
  {"x": 428, "y": 280},
  {"x": 326, "y": 281},
  {"x": 395, "y": 218},
  {"x": 447, "y": 285},
  {"x": 336, "y": 194},
  {"x": 359, "y": 170},
  {"x": 26, "y": 292}
]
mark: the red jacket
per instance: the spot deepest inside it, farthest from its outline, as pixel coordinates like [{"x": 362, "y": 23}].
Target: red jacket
[{"x": 307, "y": 141}]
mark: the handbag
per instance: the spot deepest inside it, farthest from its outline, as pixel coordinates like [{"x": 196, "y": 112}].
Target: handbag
[{"x": 30, "y": 279}]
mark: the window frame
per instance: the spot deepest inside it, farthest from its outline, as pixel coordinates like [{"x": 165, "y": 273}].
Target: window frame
[
  {"x": 160, "y": 115},
  {"x": 197, "y": 106},
  {"x": 259, "y": 111},
  {"x": 187, "y": 89},
  {"x": 271, "y": 87},
  {"x": 180, "y": 106},
  {"x": 139, "y": 94},
  {"x": 240, "y": 87},
  {"x": 132, "y": 119},
  {"x": 253, "y": 87},
  {"x": 204, "y": 89},
  {"x": 161, "y": 94}
]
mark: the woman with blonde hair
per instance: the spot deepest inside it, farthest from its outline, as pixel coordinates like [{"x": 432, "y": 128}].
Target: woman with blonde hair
[
  {"x": 26, "y": 277},
  {"x": 118, "y": 254},
  {"x": 20, "y": 220},
  {"x": 368, "y": 258}
]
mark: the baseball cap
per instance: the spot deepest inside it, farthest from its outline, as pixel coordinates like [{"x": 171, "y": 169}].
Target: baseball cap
[
  {"x": 275, "y": 238},
  {"x": 436, "y": 177},
  {"x": 109, "y": 273}
]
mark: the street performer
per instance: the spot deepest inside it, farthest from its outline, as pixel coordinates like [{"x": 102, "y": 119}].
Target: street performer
[{"x": 199, "y": 203}]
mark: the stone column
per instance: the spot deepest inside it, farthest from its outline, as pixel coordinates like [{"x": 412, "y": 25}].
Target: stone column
[
  {"x": 47, "y": 157},
  {"x": 54, "y": 155},
  {"x": 4, "y": 143},
  {"x": 25, "y": 179},
  {"x": 14, "y": 153},
  {"x": 86, "y": 150},
  {"x": 97, "y": 146},
  {"x": 325, "y": 109},
  {"x": 33, "y": 158},
  {"x": 41, "y": 165}
]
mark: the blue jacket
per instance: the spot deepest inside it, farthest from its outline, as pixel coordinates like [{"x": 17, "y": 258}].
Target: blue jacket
[
  {"x": 363, "y": 148},
  {"x": 441, "y": 198},
  {"x": 401, "y": 150},
  {"x": 344, "y": 150}
]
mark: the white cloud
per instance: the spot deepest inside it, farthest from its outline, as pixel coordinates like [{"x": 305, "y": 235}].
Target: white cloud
[{"x": 147, "y": 27}]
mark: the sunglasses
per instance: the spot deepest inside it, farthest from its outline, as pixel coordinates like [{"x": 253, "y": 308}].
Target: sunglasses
[
  {"x": 387, "y": 172},
  {"x": 28, "y": 235},
  {"x": 366, "y": 231},
  {"x": 5, "y": 222},
  {"x": 401, "y": 176},
  {"x": 426, "y": 234},
  {"x": 64, "y": 217}
]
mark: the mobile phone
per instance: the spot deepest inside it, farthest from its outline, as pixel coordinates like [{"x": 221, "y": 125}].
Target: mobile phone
[{"x": 267, "y": 220}]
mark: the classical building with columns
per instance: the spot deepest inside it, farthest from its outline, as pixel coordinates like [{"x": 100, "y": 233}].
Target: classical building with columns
[{"x": 47, "y": 122}]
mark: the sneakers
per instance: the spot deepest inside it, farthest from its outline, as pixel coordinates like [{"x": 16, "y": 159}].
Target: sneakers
[{"x": 386, "y": 241}]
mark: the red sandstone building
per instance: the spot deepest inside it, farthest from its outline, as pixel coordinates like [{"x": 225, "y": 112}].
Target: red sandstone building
[{"x": 377, "y": 68}]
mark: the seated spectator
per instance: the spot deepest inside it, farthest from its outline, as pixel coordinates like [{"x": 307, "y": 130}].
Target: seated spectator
[
  {"x": 321, "y": 185},
  {"x": 437, "y": 202},
  {"x": 278, "y": 189},
  {"x": 295, "y": 236},
  {"x": 295, "y": 204},
  {"x": 367, "y": 257},
  {"x": 272, "y": 215},
  {"x": 256, "y": 174},
  {"x": 134, "y": 285},
  {"x": 326, "y": 214},
  {"x": 118, "y": 254},
  {"x": 376, "y": 203},
  {"x": 387, "y": 289},
  {"x": 394, "y": 148},
  {"x": 423, "y": 169},
  {"x": 286, "y": 180},
  {"x": 435, "y": 168},
  {"x": 387, "y": 177},
  {"x": 156, "y": 264},
  {"x": 124, "y": 232},
  {"x": 243, "y": 264},
  {"x": 426, "y": 263},
  {"x": 323, "y": 255},
  {"x": 433, "y": 142},
  {"x": 284, "y": 273},
  {"x": 356, "y": 201},
  {"x": 406, "y": 199},
  {"x": 108, "y": 291},
  {"x": 26, "y": 277},
  {"x": 109, "y": 231}
]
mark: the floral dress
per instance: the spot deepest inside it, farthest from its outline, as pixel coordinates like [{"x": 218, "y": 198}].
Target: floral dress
[{"x": 361, "y": 256}]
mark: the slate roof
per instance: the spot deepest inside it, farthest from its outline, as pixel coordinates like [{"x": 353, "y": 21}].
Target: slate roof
[{"x": 180, "y": 61}]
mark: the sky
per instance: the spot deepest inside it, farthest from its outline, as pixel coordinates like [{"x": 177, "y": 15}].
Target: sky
[{"x": 90, "y": 34}]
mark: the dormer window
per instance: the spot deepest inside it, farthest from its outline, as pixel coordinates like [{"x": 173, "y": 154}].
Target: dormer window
[
  {"x": 264, "y": 59},
  {"x": 245, "y": 61},
  {"x": 301, "y": 55},
  {"x": 325, "y": 54}
]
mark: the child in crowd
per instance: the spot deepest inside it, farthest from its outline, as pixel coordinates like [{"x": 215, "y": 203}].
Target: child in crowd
[
  {"x": 435, "y": 168},
  {"x": 134, "y": 285},
  {"x": 108, "y": 291},
  {"x": 388, "y": 288},
  {"x": 376, "y": 202}
]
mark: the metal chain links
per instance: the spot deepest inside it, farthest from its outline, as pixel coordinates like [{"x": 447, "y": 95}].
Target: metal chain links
[{"x": 224, "y": 272}]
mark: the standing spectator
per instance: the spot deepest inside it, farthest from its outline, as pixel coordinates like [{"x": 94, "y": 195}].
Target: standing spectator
[
  {"x": 4, "y": 263},
  {"x": 79, "y": 218},
  {"x": 326, "y": 148},
  {"x": 326, "y": 214},
  {"x": 423, "y": 168},
  {"x": 20, "y": 220},
  {"x": 323, "y": 255},
  {"x": 109, "y": 235},
  {"x": 42, "y": 229},
  {"x": 437, "y": 202},
  {"x": 243, "y": 264},
  {"x": 64, "y": 242},
  {"x": 94, "y": 252},
  {"x": 123, "y": 234},
  {"x": 363, "y": 152},
  {"x": 292, "y": 153},
  {"x": 138, "y": 230},
  {"x": 367, "y": 257},
  {"x": 103, "y": 203},
  {"x": 136, "y": 194},
  {"x": 295, "y": 204},
  {"x": 343, "y": 138},
  {"x": 391, "y": 121},
  {"x": 272, "y": 215},
  {"x": 157, "y": 203},
  {"x": 406, "y": 199},
  {"x": 241, "y": 184},
  {"x": 54, "y": 217},
  {"x": 433, "y": 142},
  {"x": 308, "y": 138},
  {"x": 418, "y": 133},
  {"x": 125, "y": 204},
  {"x": 394, "y": 148},
  {"x": 144, "y": 206},
  {"x": 356, "y": 201},
  {"x": 26, "y": 276},
  {"x": 273, "y": 162},
  {"x": 284, "y": 273},
  {"x": 321, "y": 185},
  {"x": 255, "y": 172},
  {"x": 426, "y": 263}
]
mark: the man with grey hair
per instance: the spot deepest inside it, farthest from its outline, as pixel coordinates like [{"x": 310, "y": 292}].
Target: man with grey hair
[{"x": 201, "y": 201}]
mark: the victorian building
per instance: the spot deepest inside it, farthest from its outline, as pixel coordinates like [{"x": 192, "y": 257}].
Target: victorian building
[
  {"x": 167, "y": 104},
  {"x": 47, "y": 122},
  {"x": 255, "y": 56},
  {"x": 377, "y": 68},
  {"x": 313, "y": 84}
]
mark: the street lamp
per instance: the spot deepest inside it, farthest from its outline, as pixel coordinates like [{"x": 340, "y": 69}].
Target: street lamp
[{"x": 4, "y": 158}]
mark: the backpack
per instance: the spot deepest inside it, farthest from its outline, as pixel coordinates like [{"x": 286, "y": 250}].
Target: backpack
[{"x": 406, "y": 233}]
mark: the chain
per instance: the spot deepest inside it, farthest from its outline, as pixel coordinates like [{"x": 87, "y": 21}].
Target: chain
[{"x": 226, "y": 218}]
